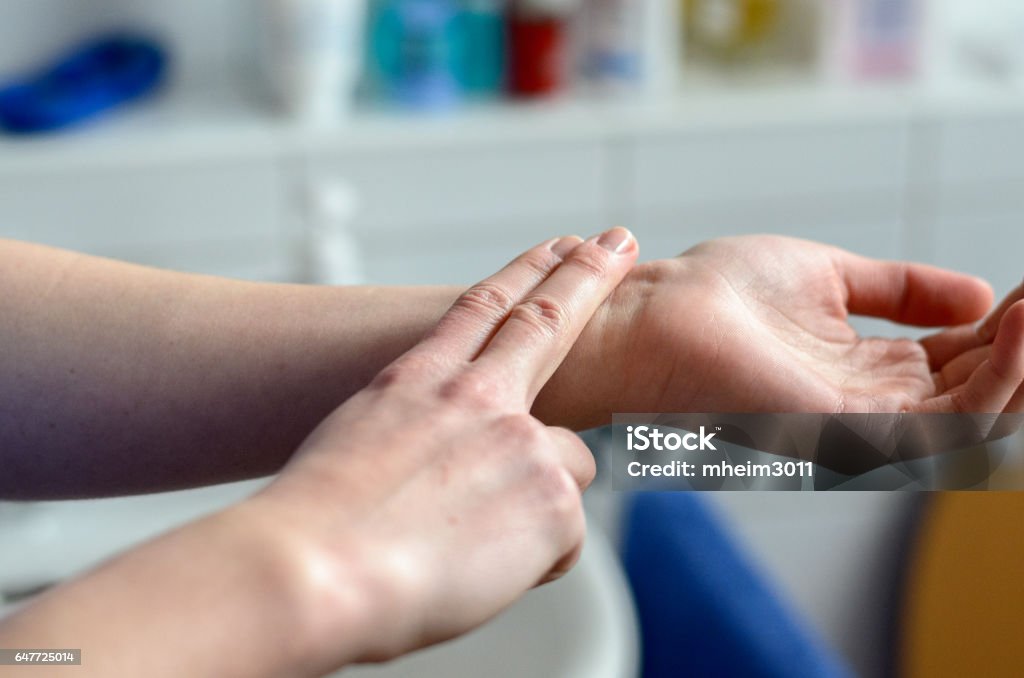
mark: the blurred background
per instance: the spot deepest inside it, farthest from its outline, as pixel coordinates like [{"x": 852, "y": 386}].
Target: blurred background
[{"x": 427, "y": 141}]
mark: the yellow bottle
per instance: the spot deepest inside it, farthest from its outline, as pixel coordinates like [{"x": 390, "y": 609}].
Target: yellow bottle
[{"x": 728, "y": 29}]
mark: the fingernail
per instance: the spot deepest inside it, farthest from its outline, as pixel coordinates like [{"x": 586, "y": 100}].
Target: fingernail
[
  {"x": 563, "y": 246},
  {"x": 616, "y": 240}
]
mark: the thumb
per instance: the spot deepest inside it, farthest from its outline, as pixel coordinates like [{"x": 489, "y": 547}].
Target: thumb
[{"x": 912, "y": 294}]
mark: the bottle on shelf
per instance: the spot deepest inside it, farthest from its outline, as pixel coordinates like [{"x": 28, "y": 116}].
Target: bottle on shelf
[
  {"x": 730, "y": 31},
  {"x": 631, "y": 46},
  {"x": 875, "y": 39},
  {"x": 539, "y": 57},
  {"x": 414, "y": 52},
  {"x": 312, "y": 55},
  {"x": 482, "y": 47}
]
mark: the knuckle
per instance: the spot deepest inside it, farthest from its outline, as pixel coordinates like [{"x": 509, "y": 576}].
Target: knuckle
[
  {"x": 522, "y": 428},
  {"x": 593, "y": 261},
  {"x": 560, "y": 494},
  {"x": 543, "y": 313},
  {"x": 401, "y": 373},
  {"x": 470, "y": 388},
  {"x": 580, "y": 448},
  {"x": 389, "y": 377},
  {"x": 581, "y": 462},
  {"x": 485, "y": 299},
  {"x": 538, "y": 262},
  {"x": 589, "y": 470}
]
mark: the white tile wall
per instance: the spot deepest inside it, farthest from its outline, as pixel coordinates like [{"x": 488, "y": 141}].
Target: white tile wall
[
  {"x": 468, "y": 189},
  {"x": 218, "y": 217},
  {"x": 980, "y": 149},
  {"x": 728, "y": 164}
]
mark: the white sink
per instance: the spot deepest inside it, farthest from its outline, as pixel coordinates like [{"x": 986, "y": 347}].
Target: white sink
[{"x": 582, "y": 626}]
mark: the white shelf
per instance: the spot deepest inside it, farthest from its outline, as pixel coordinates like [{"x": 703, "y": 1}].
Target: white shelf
[{"x": 192, "y": 125}]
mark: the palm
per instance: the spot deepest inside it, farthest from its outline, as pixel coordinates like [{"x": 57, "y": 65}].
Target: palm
[{"x": 760, "y": 324}]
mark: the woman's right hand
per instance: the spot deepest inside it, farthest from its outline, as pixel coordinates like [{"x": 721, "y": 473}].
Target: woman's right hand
[{"x": 432, "y": 499}]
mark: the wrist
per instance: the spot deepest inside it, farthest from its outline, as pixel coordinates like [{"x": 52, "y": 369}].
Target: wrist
[
  {"x": 599, "y": 373},
  {"x": 627, "y": 357},
  {"x": 577, "y": 395},
  {"x": 322, "y": 603}
]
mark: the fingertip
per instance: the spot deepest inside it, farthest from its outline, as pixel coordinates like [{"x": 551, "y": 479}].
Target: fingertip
[
  {"x": 912, "y": 293},
  {"x": 562, "y": 247},
  {"x": 618, "y": 240},
  {"x": 987, "y": 329},
  {"x": 1008, "y": 347},
  {"x": 986, "y": 296},
  {"x": 541, "y": 329},
  {"x": 1012, "y": 324},
  {"x": 970, "y": 299},
  {"x": 608, "y": 256}
]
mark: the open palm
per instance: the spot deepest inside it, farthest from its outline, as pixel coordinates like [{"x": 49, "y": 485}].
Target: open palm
[{"x": 760, "y": 324}]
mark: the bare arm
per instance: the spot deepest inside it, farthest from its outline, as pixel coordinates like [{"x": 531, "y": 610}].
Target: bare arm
[
  {"x": 378, "y": 538},
  {"x": 232, "y": 594},
  {"x": 117, "y": 378}
]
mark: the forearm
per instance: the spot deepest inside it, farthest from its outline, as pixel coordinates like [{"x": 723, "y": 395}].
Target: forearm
[
  {"x": 232, "y": 595},
  {"x": 119, "y": 378}
]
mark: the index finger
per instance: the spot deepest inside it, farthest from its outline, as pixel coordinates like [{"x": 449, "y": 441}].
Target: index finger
[
  {"x": 465, "y": 328},
  {"x": 540, "y": 330}
]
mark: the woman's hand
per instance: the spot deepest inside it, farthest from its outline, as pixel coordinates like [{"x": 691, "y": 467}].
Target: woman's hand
[
  {"x": 432, "y": 497},
  {"x": 760, "y": 324},
  {"x": 419, "y": 509}
]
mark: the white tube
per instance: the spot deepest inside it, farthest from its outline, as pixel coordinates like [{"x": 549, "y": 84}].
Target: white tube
[
  {"x": 312, "y": 55},
  {"x": 663, "y": 46},
  {"x": 632, "y": 46}
]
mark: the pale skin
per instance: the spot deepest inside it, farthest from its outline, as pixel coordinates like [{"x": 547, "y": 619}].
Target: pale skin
[
  {"x": 188, "y": 380},
  {"x": 759, "y": 324},
  {"x": 417, "y": 510},
  {"x": 123, "y": 379}
]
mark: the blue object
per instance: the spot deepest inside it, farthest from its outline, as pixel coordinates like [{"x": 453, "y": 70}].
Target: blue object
[
  {"x": 482, "y": 47},
  {"x": 703, "y": 610},
  {"x": 91, "y": 79},
  {"x": 413, "y": 49}
]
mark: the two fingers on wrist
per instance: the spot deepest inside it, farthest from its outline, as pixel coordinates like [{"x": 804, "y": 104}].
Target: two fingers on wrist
[
  {"x": 515, "y": 328},
  {"x": 518, "y": 325}
]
